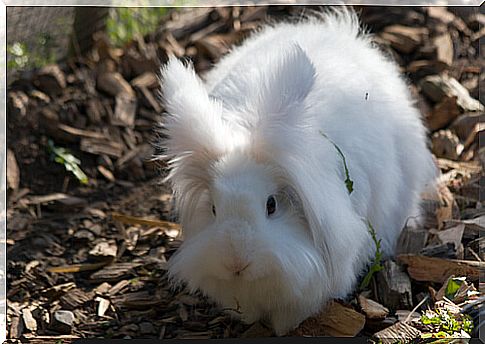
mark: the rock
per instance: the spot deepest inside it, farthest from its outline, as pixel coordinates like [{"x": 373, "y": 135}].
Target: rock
[
  {"x": 62, "y": 321},
  {"x": 437, "y": 87}
]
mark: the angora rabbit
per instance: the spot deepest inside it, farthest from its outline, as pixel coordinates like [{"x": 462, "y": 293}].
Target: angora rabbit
[{"x": 270, "y": 228}]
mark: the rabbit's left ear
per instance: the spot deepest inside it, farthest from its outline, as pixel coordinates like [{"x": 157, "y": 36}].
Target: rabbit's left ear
[
  {"x": 287, "y": 81},
  {"x": 281, "y": 104}
]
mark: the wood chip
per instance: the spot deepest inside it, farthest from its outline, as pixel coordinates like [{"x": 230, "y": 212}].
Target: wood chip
[
  {"x": 75, "y": 298},
  {"x": 17, "y": 102},
  {"x": 77, "y": 267},
  {"x": 60, "y": 199},
  {"x": 148, "y": 79},
  {"x": 103, "y": 288},
  {"x": 443, "y": 113},
  {"x": 404, "y": 38},
  {"x": 125, "y": 111},
  {"x": 29, "y": 321},
  {"x": 446, "y": 145},
  {"x": 13, "y": 173},
  {"x": 106, "y": 173},
  {"x": 104, "y": 250},
  {"x": 451, "y": 235},
  {"x": 336, "y": 320},
  {"x": 103, "y": 305},
  {"x": 411, "y": 240},
  {"x": 50, "y": 79},
  {"x": 399, "y": 332},
  {"x": 114, "y": 84},
  {"x": 444, "y": 48},
  {"x": 437, "y": 87},
  {"x": 431, "y": 269},
  {"x": 372, "y": 309},
  {"x": 140, "y": 300},
  {"x": 394, "y": 286},
  {"x": 16, "y": 327},
  {"x": 62, "y": 321},
  {"x": 118, "y": 287},
  {"x": 132, "y": 220},
  {"x": 99, "y": 147},
  {"x": 114, "y": 272}
]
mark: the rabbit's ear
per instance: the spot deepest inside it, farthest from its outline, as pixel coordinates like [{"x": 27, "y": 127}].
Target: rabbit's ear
[
  {"x": 283, "y": 119},
  {"x": 287, "y": 81},
  {"x": 193, "y": 123}
]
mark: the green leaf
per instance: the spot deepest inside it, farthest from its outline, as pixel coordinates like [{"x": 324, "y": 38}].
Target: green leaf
[
  {"x": 348, "y": 182},
  {"x": 70, "y": 162},
  {"x": 376, "y": 265},
  {"x": 453, "y": 286}
]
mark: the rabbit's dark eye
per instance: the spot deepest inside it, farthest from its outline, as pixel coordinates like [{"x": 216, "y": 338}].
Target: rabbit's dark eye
[
  {"x": 214, "y": 210},
  {"x": 270, "y": 205}
]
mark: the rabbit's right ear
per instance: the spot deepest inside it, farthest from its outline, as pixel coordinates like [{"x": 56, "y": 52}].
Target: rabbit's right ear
[{"x": 193, "y": 123}]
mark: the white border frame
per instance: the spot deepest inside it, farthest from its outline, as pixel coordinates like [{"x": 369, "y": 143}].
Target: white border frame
[{"x": 136, "y": 3}]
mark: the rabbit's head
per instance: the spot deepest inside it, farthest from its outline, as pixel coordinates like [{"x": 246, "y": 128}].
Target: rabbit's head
[{"x": 248, "y": 200}]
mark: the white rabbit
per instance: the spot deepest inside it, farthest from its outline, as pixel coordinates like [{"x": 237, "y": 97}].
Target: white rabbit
[{"x": 269, "y": 226}]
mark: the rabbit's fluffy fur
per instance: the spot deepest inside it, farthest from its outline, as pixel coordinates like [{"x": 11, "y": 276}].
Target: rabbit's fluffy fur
[{"x": 253, "y": 128}]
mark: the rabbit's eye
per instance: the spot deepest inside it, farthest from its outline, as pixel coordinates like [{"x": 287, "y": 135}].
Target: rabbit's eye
[
  {"x": 214, "y": 210},
  {"x": 270, "y": 205}
]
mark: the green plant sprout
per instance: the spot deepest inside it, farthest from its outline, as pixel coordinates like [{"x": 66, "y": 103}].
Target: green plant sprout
[
  {"x": 70, "y": 162},
  {"x": 125, "y": 22},
  {"x": 376, "y": 265},
  {"x": 43, "y": 53},
  {"x": 348, "y": 182},
  {"x": 446, "y": 323}
]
